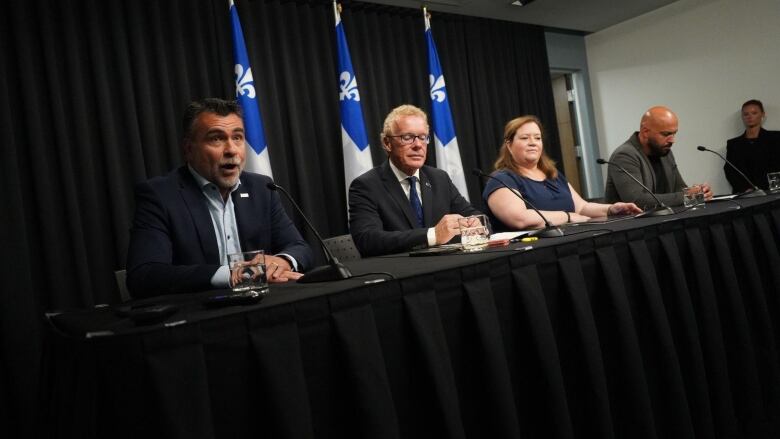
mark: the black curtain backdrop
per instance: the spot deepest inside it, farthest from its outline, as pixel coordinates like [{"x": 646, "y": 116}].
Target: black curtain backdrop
[{"x": 91, "y": 93}]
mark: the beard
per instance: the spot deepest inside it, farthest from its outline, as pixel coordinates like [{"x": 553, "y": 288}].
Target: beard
[{"x": 659, "y": 150}]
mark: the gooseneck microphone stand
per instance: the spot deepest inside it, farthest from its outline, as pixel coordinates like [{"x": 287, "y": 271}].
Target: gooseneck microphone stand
[{"x": 549, "y": 230}]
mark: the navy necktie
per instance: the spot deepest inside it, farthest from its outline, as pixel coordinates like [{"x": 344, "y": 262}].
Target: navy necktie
[{"x": 414, "y": 200}]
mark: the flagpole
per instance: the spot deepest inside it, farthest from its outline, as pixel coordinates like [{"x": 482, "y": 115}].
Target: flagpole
[
  {"x": 355, "y": 146},
  {"x": 257, "y": 158},
  {"x": 444, "y": 138}
]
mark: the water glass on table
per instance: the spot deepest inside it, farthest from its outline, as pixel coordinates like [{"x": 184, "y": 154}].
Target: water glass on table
[
  {"x": 774, "y": 181},
  {"x": 693, "y": 197},
  {"x": 247, "y": 272},
  {"x": 474, "y": 232}
]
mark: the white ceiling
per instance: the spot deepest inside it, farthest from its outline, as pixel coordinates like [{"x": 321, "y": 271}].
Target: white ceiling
[{"x": 579, "y": 15}]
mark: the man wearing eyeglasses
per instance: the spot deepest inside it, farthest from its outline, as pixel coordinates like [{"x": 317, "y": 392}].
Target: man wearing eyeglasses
[{"x": 403, "y": 204}]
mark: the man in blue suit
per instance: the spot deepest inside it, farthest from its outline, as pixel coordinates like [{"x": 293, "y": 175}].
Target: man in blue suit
[{"x": 187, "y": 222}]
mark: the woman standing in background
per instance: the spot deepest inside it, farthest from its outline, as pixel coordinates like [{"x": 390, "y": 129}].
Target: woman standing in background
[{"x": 756, "y": 152}]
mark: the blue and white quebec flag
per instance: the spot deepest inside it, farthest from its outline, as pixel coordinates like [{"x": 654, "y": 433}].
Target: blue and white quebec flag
[
  {"x": 447, "y": 152},
  {"x": 357, "y": 154},
  {"x": 256, "y": 147}
]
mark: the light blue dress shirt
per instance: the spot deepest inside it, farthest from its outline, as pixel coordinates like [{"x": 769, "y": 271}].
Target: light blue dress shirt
[{"x": 223, "y": 218}]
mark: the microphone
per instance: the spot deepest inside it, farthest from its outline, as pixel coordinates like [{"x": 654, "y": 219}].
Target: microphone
[
  {"x": 750, "y": 193},
  {"x": 335, "y": 270},
  {"x": 661, "y": 208},
  {"x": 549, "y": 230}
]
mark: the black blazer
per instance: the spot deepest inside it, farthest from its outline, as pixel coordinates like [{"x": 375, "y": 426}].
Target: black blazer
[
  {"x": 173, "y": 247},
  {"x": 382, "y": 221},
  {"x": 755, "y": 157}
]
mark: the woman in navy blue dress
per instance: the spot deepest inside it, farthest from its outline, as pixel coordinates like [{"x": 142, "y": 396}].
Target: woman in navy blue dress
[{"x": 523, "y": 166}]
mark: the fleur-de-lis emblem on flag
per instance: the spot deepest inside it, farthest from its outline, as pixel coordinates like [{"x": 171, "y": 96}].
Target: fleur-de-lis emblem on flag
[
  {"x": 348, "y": 86},
  {"x": 245, "y": 84},
  {"x": 437, "y": 88}
]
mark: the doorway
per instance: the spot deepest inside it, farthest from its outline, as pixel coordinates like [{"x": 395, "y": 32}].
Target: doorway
[{"x": 565, "y": 114}]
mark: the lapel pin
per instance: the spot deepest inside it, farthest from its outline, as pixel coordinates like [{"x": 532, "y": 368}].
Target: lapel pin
[{"x": 244, "y": 195}]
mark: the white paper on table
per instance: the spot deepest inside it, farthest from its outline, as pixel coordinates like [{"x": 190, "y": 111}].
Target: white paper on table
[{"x": 508, "y": 235}]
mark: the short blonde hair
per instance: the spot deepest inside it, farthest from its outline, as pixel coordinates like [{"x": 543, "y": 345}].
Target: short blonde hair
[
  {"x": 505, "y": 160},
  {"x": 397, "y": 113}
]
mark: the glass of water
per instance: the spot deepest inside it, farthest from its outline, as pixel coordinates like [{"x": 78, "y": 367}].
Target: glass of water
[
  {"x": 247, "y": 272},
  {"x": 474, "y": 232},
  {"x": 693, "y": 197},
  {"x": 774, "y": 181}
]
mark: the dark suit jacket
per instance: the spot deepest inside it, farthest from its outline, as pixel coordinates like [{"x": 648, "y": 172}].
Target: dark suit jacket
[
  {"x": 755, "y": 157},
  {"x": 173, "y": 246},
  {"x": 381, "y": 219}
]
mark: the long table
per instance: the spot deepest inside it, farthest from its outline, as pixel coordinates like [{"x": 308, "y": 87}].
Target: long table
[{"x": 644, "y": 328}]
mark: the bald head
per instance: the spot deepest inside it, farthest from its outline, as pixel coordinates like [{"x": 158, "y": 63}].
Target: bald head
[
  {"x": 657, "y": 131},
  {"x": 658, "y": 115}
]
